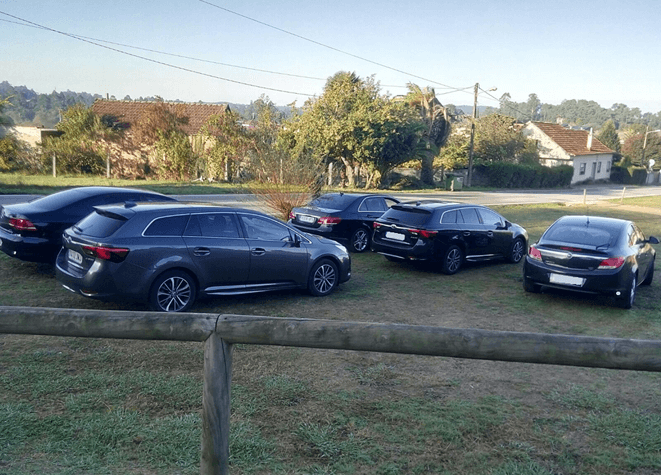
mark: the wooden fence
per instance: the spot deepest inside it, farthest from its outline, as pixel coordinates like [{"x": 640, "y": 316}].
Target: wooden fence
[{"x": 220, "y": 332}]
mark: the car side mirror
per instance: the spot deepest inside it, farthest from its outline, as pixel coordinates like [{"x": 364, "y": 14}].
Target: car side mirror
[
  {"x": 653, "y": 240},
  {"x": 296, "y": 242}
]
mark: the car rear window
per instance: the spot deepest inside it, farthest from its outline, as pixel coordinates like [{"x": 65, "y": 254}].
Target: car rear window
[
  {"x": 581, "y": 235},
  {"x": 408, "y": 216},
  {"x": 100, "y": 224},
  {"x": 332, "y": 201}
]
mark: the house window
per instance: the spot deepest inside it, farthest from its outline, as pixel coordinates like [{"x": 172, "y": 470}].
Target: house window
[
  {"x": 581, "y": 170},
  {"x": 598, "y": 167}
]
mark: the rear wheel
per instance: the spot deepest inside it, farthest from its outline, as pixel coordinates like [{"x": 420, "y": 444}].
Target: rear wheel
[
  {"x": 517, "y": 251},
  {"x": 650, "y": 275},
  {"x": 173, "y": 291},
  {"x": 626, "y": 300},
  {"x": 452, "y": 260},
  {"x": 323, "y": 278},
  {"x": 360, "y": 240}
]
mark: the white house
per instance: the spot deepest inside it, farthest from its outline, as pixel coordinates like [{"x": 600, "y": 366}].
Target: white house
[{"x": 558, "y": 145}]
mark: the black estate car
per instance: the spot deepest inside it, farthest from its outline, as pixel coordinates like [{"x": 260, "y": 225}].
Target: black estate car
[
  {"x": 448, "y": 233},
  {"x": 169, "y": 253},
  {"x": 344, "y": 217},
  {"x": 591, "y": 254},
  {"x": 32, "y": 231}
]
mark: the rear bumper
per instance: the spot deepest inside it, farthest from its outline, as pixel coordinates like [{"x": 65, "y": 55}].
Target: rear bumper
[
  {"x": 605, "y": 282},
  {"x": 420, "y": 251},
  {"x": 25, "y": 248}
]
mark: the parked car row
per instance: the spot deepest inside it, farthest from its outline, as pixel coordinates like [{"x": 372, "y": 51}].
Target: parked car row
[{"x": 112, "y": 243}]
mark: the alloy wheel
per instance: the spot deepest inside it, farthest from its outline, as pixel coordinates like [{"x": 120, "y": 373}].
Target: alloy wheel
[{"x": 173, "y": 294}]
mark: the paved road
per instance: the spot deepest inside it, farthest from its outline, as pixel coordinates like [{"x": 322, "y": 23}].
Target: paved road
[{"x": 576, "y": 195}]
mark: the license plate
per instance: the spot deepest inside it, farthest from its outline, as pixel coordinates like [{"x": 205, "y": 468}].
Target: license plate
[
  {"x": 566, "y": 280},
  {"x": 307, "y": 219},
  {"x": 75, "y": 257},
  {"x": 395, "y": 236}
]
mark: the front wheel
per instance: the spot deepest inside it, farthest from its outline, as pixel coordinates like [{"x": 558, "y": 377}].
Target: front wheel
[
  {"x": 173, "y": 291},
  {"x": 452, "y": 260},
  {"x": 323, "y": 278},
  {"x": 517, "y": 251},
  {"x": 360, "y": 240}
]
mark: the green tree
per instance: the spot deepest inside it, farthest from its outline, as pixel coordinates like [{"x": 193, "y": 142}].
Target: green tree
[
  {"x": 497, "y": 139},
  {"x": 454, "y": 154},
  {"x": 230, "y": 144},
  {"x": 609, "y": 137},
  {"x": 436, "y": 127}
]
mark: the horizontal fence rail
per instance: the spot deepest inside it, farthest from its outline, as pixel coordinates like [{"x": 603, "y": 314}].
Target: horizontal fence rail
[{"x": 220, "y": 332}]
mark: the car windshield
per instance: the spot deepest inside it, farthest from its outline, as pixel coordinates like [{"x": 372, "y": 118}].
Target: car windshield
[
  {"x": 581, "y": 235},
  {"x": 408, "y": 216},
  {"x": 332, "y": 201}
]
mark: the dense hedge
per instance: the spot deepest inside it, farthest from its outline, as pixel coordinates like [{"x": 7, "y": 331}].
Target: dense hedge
[
  {"x": 628, "y": 175},
  {"x": 511, "y": 175}
]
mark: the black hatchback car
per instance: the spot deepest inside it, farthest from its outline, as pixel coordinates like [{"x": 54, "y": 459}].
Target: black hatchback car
[
  {"x": 344, "y": 217},
  {"x": 593, "y": 255},
  {"x": 449, "y": 233},
  {"x": 168, "y": 254},
  {"x": 32, "y": 231}
]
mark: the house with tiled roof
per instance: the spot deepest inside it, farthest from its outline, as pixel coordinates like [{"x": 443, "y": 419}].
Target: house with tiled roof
[
  {"x": 130, "y": 160},
  {"x": 558, "y": 145}
]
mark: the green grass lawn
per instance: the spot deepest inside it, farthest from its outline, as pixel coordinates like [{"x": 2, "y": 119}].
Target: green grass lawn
[{"x": 102, "y": 406}]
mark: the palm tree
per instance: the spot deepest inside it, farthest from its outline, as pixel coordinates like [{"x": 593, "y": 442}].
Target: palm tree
[{"x": 437, "y": 126}]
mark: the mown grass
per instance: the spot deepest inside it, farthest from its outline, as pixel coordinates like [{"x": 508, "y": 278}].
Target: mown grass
[{"x": 78, "y": 405}]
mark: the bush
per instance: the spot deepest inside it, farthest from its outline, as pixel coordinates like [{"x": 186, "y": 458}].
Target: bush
[
  {"x": 511, "y": 175},
  {"x": 628, "y": 175}
]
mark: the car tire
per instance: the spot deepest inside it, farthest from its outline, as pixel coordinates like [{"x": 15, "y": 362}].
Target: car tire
[
  {"x": 360, "y": 240},
  {"x": 626, "y": 300},
  {"x": 517, "y": 251},
  {"x": 650, "y": 276},
  {"x": 173, "y": 291},
  {"x": 323, "y": 278},
  {"x": 530, "y": 286},
  {"x": 453, "y": 259}
]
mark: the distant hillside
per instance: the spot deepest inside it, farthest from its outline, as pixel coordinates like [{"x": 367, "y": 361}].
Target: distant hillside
[{"x": 31, "y": 108}]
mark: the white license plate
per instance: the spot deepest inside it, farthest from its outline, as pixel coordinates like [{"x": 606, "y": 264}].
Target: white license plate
[
  {"x": 75, "y": 257},
  {"x": 566, "y": 280},
  {"x": 395, "y": 236},
  {"x": 307, "y": 219}
]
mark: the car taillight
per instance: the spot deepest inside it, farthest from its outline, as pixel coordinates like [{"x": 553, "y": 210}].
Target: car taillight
[
  {"x": 292, "y": 215},
  {"x": 329, "y": 220},
  {"x": 22, "y": 224},
  {"x": 534, "y": 253},
  {"x": 611, "y": 263},
  {"x": 112, "y": 254},
  {"x": 376, "y": 225},
  {"x": 423, "y": 232}
]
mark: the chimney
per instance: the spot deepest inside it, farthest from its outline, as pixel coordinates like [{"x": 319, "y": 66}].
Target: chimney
[{"x": 590, "y": 139}]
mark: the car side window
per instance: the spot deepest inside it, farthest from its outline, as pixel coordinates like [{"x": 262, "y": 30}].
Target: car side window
[
  {"x": 167, "y": 226},
  {"x": 373, "y": 204},
  {"x": 258, "y": 227},
  {"x": 491, "y": 218},
  {"x": 449, "y": 217},
  {"x": 389, "y": 202},
  {"x": 470, "y": 215},
  {"x": 221, "y": 225}
]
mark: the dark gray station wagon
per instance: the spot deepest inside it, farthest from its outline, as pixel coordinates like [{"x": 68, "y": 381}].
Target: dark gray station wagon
[{"x": 169, "y": 253}]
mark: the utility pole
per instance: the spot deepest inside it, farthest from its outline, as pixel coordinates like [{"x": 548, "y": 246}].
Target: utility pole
[{"x": 470, "y": 156}]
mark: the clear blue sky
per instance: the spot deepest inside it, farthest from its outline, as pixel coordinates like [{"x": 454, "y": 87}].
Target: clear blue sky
[{"x": 607, "y": 51}]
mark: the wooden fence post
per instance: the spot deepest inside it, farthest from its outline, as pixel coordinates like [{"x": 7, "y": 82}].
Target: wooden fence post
[{"x": 214, "y": 459}]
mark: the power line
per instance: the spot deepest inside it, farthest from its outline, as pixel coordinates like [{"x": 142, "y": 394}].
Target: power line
[
  {"x": 152, "y": 60},
  {"x": 455, "y": 89}
]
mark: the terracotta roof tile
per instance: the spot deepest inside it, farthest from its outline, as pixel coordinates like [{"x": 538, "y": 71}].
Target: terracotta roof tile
[
  {"x": 574, "y": 142},
  {"x": 129, "y": 111}
]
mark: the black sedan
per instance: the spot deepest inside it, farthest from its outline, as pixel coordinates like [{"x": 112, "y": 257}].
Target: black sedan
[
  {"x": 168, "y": 254},
  {"x": 344, "y": 217},
  {"x": 447, "y": 233},
  {"x": 32, "y": 231},
  {"x": 593, "y": 255}
]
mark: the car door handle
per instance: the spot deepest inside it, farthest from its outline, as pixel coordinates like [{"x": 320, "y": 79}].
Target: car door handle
[
  {"x": 258, "y": 251},
  {"x": 201, "y": 251},
  {"x": 467, "y": 233},
  {"x": 490, "y": 234}
]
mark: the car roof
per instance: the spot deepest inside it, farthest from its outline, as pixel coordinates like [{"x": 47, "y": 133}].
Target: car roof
[
  {"x": 99, "y": 190},
  {"x": 600, "y": 221},
  {"x": 354, "y": 195},
  {"x": 432, "y": 205},
  {"x": 171, "y": 206}
]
